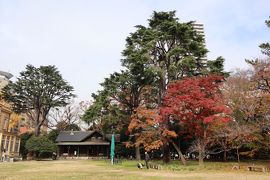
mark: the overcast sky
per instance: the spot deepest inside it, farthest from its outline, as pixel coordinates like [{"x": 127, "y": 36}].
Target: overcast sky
[{"x": 85, "y": 38}]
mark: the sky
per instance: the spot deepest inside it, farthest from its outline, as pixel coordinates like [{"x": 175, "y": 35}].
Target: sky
[{"x": 84, "y": 38}]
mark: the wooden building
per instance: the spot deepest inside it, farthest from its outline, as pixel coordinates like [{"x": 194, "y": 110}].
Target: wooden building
[{"x": 85, "y": 144}]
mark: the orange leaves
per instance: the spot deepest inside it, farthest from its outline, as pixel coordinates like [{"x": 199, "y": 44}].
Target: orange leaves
[
  {"x": 143, "y": 118},
  {"x": 153, "y": 145},
  {"x": 144, "y": 127},
  {"x": 169, "y": 134}
]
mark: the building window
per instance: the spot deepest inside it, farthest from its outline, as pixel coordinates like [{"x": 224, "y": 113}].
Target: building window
[
  {"x": 17, "y": 145},
  {"x": 7, "y": 143},
  {"x": 3, "y": 143},
  {"x": 5, "y": 124},
  {"x": 11, "y": 144}
]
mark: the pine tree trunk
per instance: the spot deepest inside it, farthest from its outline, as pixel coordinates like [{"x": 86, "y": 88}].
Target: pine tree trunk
[{"x": 137, "y": 153}]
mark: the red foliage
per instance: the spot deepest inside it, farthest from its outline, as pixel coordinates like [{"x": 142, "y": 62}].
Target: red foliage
[{"x": 196, "y": 104}]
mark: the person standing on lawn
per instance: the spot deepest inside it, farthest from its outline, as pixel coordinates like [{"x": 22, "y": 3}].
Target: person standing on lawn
[{"x": 147, "y": 158}]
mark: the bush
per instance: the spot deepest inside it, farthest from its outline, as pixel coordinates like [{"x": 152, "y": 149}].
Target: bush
[
  {"x": 24, "y": 138},
  {"x": 40, "y": 146}
]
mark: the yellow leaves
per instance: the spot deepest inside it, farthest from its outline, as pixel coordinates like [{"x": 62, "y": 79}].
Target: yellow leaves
[{"x": 14, "y": 120}]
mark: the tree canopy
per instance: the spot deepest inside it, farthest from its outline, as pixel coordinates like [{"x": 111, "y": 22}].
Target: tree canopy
[
  {"x": 171, "y": 50},
  {"x": 36, "y": 91}
]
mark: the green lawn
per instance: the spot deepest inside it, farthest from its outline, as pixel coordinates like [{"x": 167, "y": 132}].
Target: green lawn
[{"x": 93, "y": 169}]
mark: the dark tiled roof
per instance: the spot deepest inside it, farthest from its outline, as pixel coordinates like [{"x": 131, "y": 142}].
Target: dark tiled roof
[
  {"x": 78, "y": 136},
  {"x": 73, "y": 136}
]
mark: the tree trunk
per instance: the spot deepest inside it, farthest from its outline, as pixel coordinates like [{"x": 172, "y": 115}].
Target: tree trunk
[
  {"x": 182, "y": 158},
  {"x": 200, "y": 158},
  {"x": 37, "y": 131},
  {"x": 162, "y": 89},
  {"x": 137, "y": 153},
  {"x": 166, "y": 153},
  {"x": 37, "y": 122},
  {"x": 238, "y": 157},
  {"x": 225, "y": 155}
]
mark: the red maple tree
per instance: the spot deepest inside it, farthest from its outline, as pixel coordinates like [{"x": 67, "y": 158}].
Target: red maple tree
[{"x": 196, "y": 105}]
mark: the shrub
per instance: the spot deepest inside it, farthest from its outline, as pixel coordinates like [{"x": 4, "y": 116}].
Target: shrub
[
  {"x": 24, "y": 138},
  {"x": 40, "y": 146}
]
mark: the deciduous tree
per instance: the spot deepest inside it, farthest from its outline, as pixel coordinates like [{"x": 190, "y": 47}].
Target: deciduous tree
[
  {"x": 246, "y": 93},
  {"x": 197, "y": 105},
  {"x": 72, "y": 113}
]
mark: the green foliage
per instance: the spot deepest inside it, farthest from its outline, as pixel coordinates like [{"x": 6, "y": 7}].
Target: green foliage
[
  {"x": 53, "y": 134},
  {"x": 168, "y": 50},
  {"x": 217, "y": 66},
  {"x": 101, "y": 114},
  {"x": 40, "y": 145},
  {"x": 24, "y": 138},
  {"x": 121, "y": 95},
  {"x": 265, "y": 47},
  {"x": 36, "y": 91}
]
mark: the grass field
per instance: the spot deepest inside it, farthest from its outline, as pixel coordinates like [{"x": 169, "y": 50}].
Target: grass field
[{"x": 93, "y": 169}]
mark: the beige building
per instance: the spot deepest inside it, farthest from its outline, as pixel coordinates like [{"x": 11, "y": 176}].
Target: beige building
[{"x": 9, "y": 139}]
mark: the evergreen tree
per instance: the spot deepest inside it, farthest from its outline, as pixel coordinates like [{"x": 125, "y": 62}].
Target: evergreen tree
[{"x": 36, "y": 91}]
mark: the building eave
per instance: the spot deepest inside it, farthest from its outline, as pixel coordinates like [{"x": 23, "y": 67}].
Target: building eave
[{"x": 83, "y": 143}]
